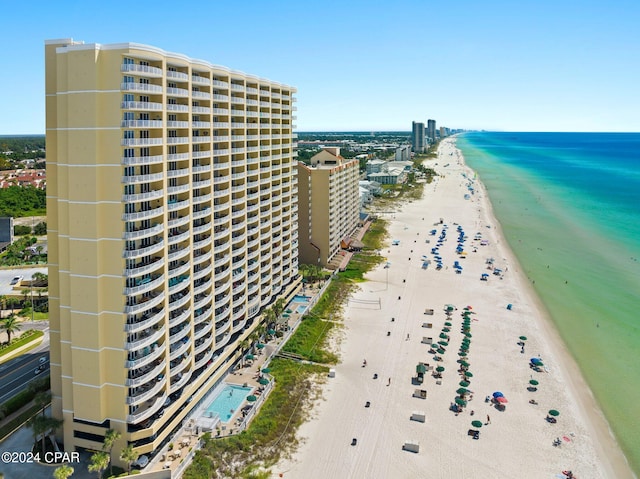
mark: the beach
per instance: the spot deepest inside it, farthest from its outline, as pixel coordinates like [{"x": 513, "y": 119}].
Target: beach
[{"x": 385, "y": 323}]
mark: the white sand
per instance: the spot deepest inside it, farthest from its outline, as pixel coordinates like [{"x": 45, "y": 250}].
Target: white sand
[{"x": 518, "y": 442}]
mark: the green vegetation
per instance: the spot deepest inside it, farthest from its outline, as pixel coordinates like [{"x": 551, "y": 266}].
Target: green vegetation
[
  {"x": 21, "y": 148},
  {"x": 22, "y": 399},
  {"x": 25, "y": 338},
  {"x": 19, "y": 201},
  {"x": 23, "y": 251}
]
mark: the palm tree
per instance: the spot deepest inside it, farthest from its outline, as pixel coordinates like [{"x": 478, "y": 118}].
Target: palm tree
[
  {"x": 10, "y": 325},
  {"x": 40, "y": 278},
  {"x": 39, "y": 426},
  {"x": 42, "y": 400},
  {"x": 99, "y": 462},
  {"x": 129, "y": 456},
  {"x": 278, "y": 307},
  {"x": 110, "y": 438},
  {"x": 3, "y": 304},
  {"x": 63, "y": 472}
]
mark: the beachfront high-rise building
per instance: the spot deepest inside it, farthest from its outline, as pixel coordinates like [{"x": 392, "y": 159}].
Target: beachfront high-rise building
[
  {"x": 431, "y": 130},
  {"x": 418, "y": 143},
  {"x": 172, "y": 215},
  {"x": 329, "y": 205}
]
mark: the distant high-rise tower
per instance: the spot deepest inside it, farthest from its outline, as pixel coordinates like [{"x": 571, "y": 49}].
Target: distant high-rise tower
[
  {"x": 172, "y": 212},
  {"x": 431, "y": 130},
  {"x": 418, "y": 143}
]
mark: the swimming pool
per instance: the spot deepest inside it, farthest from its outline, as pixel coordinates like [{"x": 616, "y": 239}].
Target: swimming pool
[
  {"x": 299, "y": 298},
  {"x": 301, "y": 309},
  {"x": 229, "y": 399}
]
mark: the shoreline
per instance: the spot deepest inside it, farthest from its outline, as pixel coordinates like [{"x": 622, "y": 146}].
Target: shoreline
[{"x": 518, "y": 438}]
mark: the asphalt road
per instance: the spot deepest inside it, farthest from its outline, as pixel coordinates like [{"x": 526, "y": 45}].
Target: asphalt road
[{"x": 16, "y": 374}]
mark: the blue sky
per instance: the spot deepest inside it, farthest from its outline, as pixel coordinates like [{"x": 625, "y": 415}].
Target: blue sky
[{"x": 497, "y": 65}]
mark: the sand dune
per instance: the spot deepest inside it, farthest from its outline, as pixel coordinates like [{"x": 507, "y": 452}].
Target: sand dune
[{"x": 518, "y": 442}]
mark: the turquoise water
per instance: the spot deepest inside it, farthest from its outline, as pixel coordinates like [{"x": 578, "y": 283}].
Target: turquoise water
[
  {"x": 230, "y": 398},
  {"x": 569, "y": 206}
]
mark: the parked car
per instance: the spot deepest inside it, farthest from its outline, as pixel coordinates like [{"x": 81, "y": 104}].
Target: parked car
[{"x": 15, "y": 280}]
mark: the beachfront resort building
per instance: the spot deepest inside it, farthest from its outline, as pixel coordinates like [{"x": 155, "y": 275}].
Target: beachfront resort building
[
  {"x": 329, "y": 205},
  {"x": 172, "y": 219},
  {"x": 431, "y": 130},
  {"x": 418, "y": 141}
]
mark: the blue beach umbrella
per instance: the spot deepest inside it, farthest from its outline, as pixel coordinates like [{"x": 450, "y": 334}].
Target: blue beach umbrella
[{"x": 498, "y": 394}]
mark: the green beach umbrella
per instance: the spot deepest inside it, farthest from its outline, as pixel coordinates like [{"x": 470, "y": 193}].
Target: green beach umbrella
[
  {"x": 464, "y": 384},
  {"x": 249, "y": 356},
  {"x": 441, "y": 350},
  {"x": 462, "y": 353},
  {"x": 266, "y": 370},
  {"x": 463, "y": 363},
  {"x": 289, "y": 311},
  {"x": 443, "y": 336},
  {"x": 523, "y": 338},
  {"x": 553, "y": 412},
  {"x": 476, "y": 423},
  {"x": 421, "y": 368},
  {"x": 464, "y": 347},
  {"x": 443, "y": 343},
  {"x": 446, "y": 330},
  {"x": 533, "y": 382},
  {"x": 468, "y": 374},
  {"x": 251, "y": 398},
  {"x": 468, "y": 335},
  {"x": 271, "y": 331},
  {"x": 263, "y": 381},
  {"x": 260, "y": 346},
  {"x": 447, "y": 323},
  {"x": 460, "y": 401},
  {"x": 440, "y": 369},
  {"x": 462, "y": 391}
]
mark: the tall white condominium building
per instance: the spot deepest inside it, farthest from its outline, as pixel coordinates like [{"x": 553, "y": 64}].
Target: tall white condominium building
[
  {"x": 172, "y": 218},
  {"x": 418, "y": 142}
]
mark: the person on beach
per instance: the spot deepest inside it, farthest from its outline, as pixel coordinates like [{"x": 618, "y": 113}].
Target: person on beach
[
  {"x": 389, "y": 382},
  {"x": 488, "y": 420}
]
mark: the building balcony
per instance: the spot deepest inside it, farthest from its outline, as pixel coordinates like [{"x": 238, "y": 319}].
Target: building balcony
[
  {"x": 142, "y": 160},
  {"x": 180, "y": 366},
  {"x": 179, "y": 349},
  {"x": 148, "y": 340},
  {"x": 201, "y": 95},
  {"x": 177, "y": 124},
  {"x": 178, "y": 238},
  {"x": 153, "y": 353},
  {"x": 202, "y": 288},
  {"x": 146, "y": 413},
  {"x": 141, "y": 142},
  {"x": 219, "y": 97},
  {"x": 149, "y": 196},
  {"x": 177, "y": 92},
  {"x": 203, "y": 360},
  {"x": 147, "y": 321},
  {"x": 202, "y": 183},
  {"x": 179, "y": 318},
  {"x": 176, "y": 222},
  {"x": 203, "y": 301},
  {"x": 201, "y": 198},
  {"x": 141, "y": 123},
  {"x": 176, "y": 75},
  {"x": 222, "y": 340},
  {"x": 220, "y": 84},
  {"x": 202, "y": 243},
  {"x": 145, "y": 284},
  {"x": 181, "y": 382},
  {"x": 238, "y": 322},
  {"x": 221, "y": 288},
  {"x": 201, "y": 257},
  {"x": 141, "y": 105},
  {"x": 177, "y": 108},
  {"x": 220, "y": 275},
  {"x": 202, "y": 110},
  {"x": 178, "y": 205},
  {"x": 201, "y": 139},
  {"x": 202, "y": 331},
  {"x": 178, "y": 301},
  {"x": 178, "y": 173},
  {"x": 142, "y": 87},
  {"x": 143, "y": 251},
  {"x": 201, "y": 273},
  {"x": 177, "y": 140},
  {"x": 148, "y": 374},
  {"x": 179, "y": 334},
  {"x": 144, "y": 267},
  {"x": 143, "y": 232},
  {"x": 147, "y": 393},
  {"x": 200, "y": 80},
  {"x": 204, "y": 315},
  {"x": 145, "y": 303},
  {"x": 204, "y": 344}
]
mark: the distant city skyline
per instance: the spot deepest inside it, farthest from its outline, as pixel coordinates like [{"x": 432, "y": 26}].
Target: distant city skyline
[{"x": 367, "y": 66}]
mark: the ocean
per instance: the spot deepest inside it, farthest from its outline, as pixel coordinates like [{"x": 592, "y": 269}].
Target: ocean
[{"x": 569, "y": 206}]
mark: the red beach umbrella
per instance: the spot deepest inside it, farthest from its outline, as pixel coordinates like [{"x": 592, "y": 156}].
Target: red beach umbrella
[{"x": 502, "y": 399}]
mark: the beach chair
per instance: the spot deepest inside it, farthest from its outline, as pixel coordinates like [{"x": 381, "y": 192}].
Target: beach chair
[{"x": 473, "y": 433}]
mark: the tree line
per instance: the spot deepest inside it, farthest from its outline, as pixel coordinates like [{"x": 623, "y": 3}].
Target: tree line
[{"x": 19, "y": 201}]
